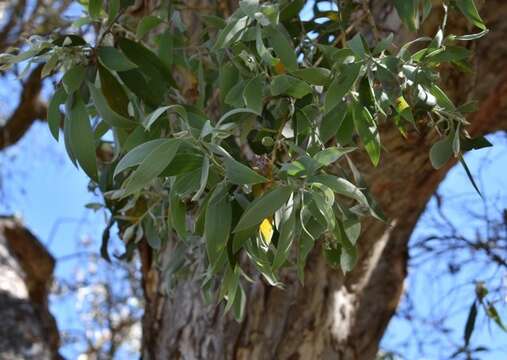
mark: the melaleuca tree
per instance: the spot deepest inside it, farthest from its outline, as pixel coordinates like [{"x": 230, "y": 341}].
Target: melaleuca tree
[{"x": 237, "y": 151}]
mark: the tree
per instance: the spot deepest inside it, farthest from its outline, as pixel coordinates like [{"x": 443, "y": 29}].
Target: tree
[{"x": 243, "y": 136}]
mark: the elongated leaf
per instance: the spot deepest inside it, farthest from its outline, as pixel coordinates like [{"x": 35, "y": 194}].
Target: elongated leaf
[
  {"x": 204, "y": 178},
  {"x": 233, "y": 112},
  {"x": 283, "y": 47},
  {"x": 287, "y": 234},
  {"x": 408, "y": 12},
  {"x": 368, "y": 132},
  {"x": 240, "y": 174},
  {"x": 105, "y": 111},
  {"x": 151, "y": 118},
  {"x": 314, "y": 76},
  {"x": 470, "y": 324},
  {"x": 94, "y": 8},
  {"x": 441, "y": 152},
  {"x": 113, "y": 59},
  {"x": 218, "y": 222},
  {"x": 147, "y": 24},
  {"x": 468, "y": 8},
  {"x": 73, "y": 78},
  {"x": 331, "y": 155},
  {"x": 81, "y": 138},
  {"x": 232, "y": 32},
  {"x": 289, "y": 85},
  {"x": 178, "y": 215},
  {"x": 263, "y": 207},
  {"x": 113, "y": 92},
  {"x": 252, "y": 94},
  {"x": 135, "y": 156},
  {"x": 341, "y": 85},
  {"x": 54, "y": 116},
  {"x": 152, "y": 166}
]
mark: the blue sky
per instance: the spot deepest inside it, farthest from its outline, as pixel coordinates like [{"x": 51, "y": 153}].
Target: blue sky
[{"x": 40, "y": 184}]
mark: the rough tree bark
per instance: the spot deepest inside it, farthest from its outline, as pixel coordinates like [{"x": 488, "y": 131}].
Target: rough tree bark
[
  {"x": 28, "y": 329},
  {"x": 332, "y": 316}
]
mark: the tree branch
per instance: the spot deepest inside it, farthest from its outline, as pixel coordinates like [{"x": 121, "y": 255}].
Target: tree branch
[{"x": 30, "y": 109}]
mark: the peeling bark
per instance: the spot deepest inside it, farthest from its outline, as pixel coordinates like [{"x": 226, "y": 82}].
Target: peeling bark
[
  {"x": 334, "y": 316},
  {"x": 28, "y": 329}
]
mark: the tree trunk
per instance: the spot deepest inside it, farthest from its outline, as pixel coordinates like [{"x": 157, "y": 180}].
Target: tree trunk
[
  {"x": 28, "y": 329},
  {"x": 334, "y": 316}
]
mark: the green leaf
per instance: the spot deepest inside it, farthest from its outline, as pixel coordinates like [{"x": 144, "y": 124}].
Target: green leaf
[
  {"x": 240, "y": 174},
  {"x": 468, "y": 8},
  {"x": 73, "y": 78},
  {"x": 344, "y": 187},
  {"x": 239, "y": 304},
  {"x": 148, "y": 62},
  {"x": 135, "y": 156},
  {"x": 94, "y": 8},
  {"x": 263, "y": 52},
  {"x": 289, "y": 85},
  {"x": 106, "y": 113},
  {"x": 204, "y": 178},
  {"x": 475, "y": 143},
  {"x": 441, "y": 152},
  {"x": 114, "y": 60},
  {"x": 408, "y": 12},
  {"x": 283, "y": 46},
  {"x": 217, "y": 227},
  {"x": 357, "y": 46},
  {"x": 82, "y": 139},
  {"x": 152, "y": 166},
  {"x": 315, "y": 76},
  {"x": 178, "y": 215},
  {"x": 113, "y": 91},
  {"x": 147, "y": 24},
  {"x": 368, "y": 132},
  {"x": 253, "y": 94},
  {"x": 232, "y": 32},
  {"x": 233, "y": 112},
  {"x": 54, "y": 116},
  {"x": 332, "y": 121},
  {"x": 469, "y": 175},
  {"x": 287, "y": 231},
  {"x": 470, "y": 324},
  {"x": 151, "y": 118},
  {"x": 330, "y": 155},
  {"x": 341, "y": 85},
  {"x": 263, "y": 207}
]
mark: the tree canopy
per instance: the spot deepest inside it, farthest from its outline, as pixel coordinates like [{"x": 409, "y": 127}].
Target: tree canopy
[{"x": 242, "y": 139}]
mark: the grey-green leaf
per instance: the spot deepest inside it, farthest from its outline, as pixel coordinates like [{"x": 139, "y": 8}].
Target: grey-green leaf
[
  {"x": 73, "y": 78},
  {"x": 252, "y": 94},
  {"x": 217, "y": 227},
  {"x": 113, "y": 59},
  {"x": 54, "y": 116},
  {"x": 152, "y": 166},
  {"x": 264, "y": 206},
  {"x": 441, "y": 152},
  {"x": 240, "y": 174},
  {"x": 81, "y": 139}
]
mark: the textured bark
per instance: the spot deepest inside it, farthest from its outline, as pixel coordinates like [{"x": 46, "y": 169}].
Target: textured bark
[
  {"x": 28, "y": 329},
  {"x": 332, "y": 316}
]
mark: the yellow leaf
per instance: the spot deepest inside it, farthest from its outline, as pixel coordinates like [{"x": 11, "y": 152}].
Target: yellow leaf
[
  {"x": 266, "y": 230},
  {"x": 401, "y": 104}
]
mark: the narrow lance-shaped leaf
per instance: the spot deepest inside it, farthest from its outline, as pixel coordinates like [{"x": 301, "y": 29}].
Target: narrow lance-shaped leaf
[
  {"x": 240, "y": 174},
  {"x": 54, "y": 116},
  {"x": 263, "y": 207},
  {"x": 341, "y": 85},
  {"x": 218, "y": 221},
  {"x": 152, "y": 166},
  {"x": 81, "y": 138}
]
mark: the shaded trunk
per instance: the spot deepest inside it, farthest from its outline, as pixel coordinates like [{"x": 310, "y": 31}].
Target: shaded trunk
[
  {"x": 28, "y": 329},
  {"x": 332, "y": 316}
]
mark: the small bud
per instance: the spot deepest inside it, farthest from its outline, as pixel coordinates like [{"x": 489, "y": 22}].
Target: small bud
[{"x": 267, "y": 141}]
